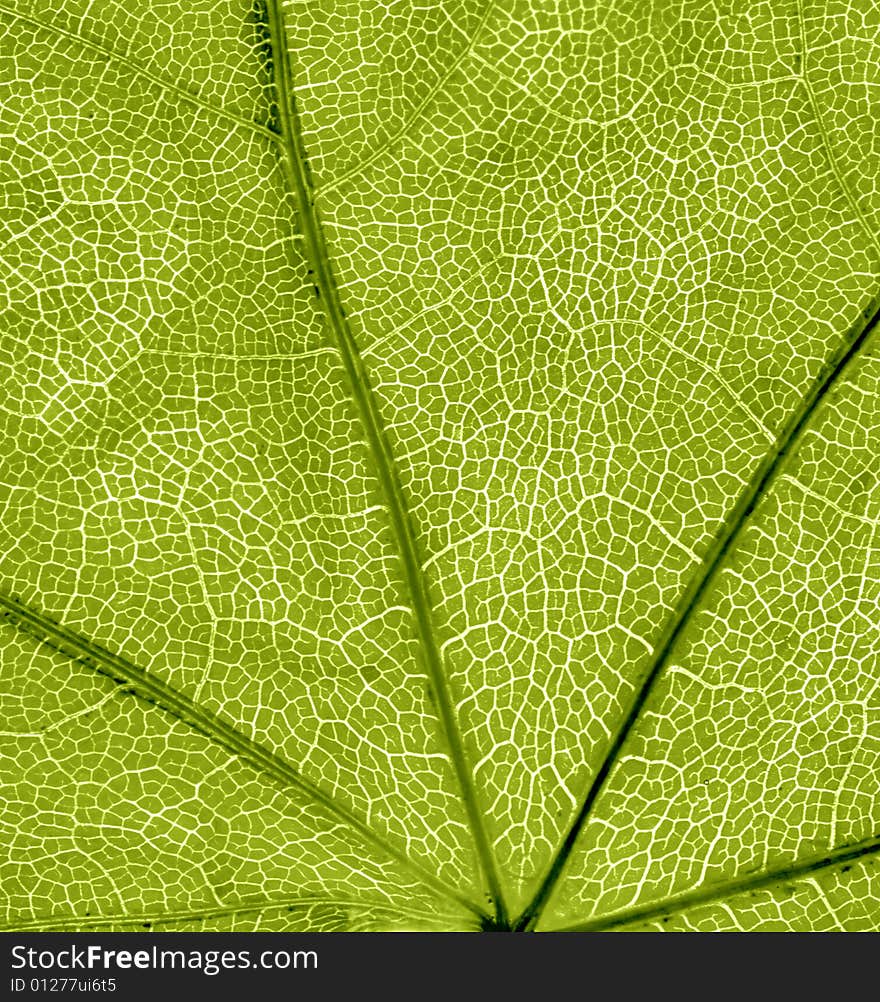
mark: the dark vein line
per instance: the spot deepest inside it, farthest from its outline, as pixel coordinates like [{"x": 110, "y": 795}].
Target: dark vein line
[
  {"x": 866, "y": 325},
  {"x": 766, "y": 473},
  {"x": 153, "y": 690},
  {"x": 196, "y": 914},
  {"x": 294, "y": 163},
  {"x": 140, "y": 70},
  {"x": 718, "y": 892}
]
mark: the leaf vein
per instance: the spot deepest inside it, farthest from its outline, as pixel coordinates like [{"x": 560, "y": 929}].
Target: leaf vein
[
  {"x": 135, "y": 67},
  {"x": 719, "y": 892},
  {"x": 868, "y": 324},
  {"x": 148, "y": 687},
  {"x": 294, "y": 163},
  {"x": 195, "y": 915}
]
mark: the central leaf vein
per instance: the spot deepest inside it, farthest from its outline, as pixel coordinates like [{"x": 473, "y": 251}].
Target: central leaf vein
[{"x": 294, "y": 165}]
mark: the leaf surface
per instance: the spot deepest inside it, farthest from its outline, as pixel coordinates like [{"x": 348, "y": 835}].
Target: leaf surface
[{"x": 440, "y": 480}]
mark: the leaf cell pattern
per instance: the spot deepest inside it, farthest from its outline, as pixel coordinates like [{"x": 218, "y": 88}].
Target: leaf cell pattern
[{"x": 439, "y": 481}]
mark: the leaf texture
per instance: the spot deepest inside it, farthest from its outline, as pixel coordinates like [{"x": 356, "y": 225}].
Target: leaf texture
[{"x": 439, "y": 480}]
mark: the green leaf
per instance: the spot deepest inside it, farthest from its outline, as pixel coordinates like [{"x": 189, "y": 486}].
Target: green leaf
[{"x": 439, "y": 480}]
